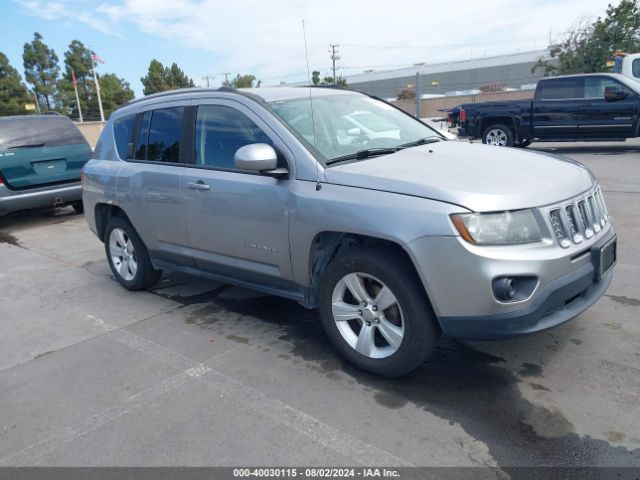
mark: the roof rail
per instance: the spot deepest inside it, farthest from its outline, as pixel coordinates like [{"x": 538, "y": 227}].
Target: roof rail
[{"x": 181, "y": 91}]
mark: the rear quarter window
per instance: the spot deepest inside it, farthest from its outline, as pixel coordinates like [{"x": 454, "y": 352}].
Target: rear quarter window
[
  {"x": 123, "y": 134},
  {"x": 38, "y": 130}
]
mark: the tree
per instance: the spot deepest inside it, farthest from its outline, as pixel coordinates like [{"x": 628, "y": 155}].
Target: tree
[
  {"x": 160, "y": 78},
  {"x": 115, "y": 92},
  {"x": 327, "y": 80},
  {"x": 13, "y": 93},
  {"x": 77, "y": 59},
  {"x": 244, "y": 81},
  {"x": 176, "y": 78},
  {"x": 41, "y": 69},
  {"x": 588, "y": 46}
]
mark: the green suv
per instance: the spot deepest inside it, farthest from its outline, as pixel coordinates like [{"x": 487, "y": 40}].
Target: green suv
[{"x": 41, "y": 157}]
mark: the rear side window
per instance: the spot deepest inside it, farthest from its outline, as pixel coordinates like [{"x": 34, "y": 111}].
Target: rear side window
[
  {"x": 160, "y": 135},
  {"x": 635, "y": 68},
  {"x": 220, "y": 132},
  {"x": 38, "y": 131},
  {"x": 560, "y": 89},
  {"x": 123, "y": 134}
]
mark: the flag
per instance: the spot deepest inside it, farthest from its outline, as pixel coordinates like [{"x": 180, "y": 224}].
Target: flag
[
  {"x": 96, "y": 58},
  {"x": 74, "y": 80}
]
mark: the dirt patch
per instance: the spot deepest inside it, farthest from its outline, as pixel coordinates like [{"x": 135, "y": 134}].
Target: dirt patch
[{"x": 6, "y": 237}]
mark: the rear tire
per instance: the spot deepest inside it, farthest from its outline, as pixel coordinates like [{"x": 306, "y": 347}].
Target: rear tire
[
  {"x": 387, "y": 326},
  {"x": 523, "y": 144},
  {"x": 498, "y": 135},
  {"x": 128, "y": 257},
  {"x": 78, "y": 206}
]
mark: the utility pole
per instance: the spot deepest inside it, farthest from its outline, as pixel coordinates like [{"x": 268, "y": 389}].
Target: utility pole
[
  {"x": 226, "y": 79},
  {"x": 208, "y": 78},
  {"x": 334, "y": 56},
  {"x": 418, "y": 94}
]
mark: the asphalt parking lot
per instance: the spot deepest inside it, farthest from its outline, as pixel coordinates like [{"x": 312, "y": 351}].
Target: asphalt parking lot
[{"x": 199, "y": 373}]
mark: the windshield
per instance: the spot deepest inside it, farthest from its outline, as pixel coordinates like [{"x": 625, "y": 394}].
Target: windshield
[{"x": 348, "y": 124}]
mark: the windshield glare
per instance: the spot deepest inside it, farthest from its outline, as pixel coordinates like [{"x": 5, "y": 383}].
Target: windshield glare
[{"x": 346, "y": 124}]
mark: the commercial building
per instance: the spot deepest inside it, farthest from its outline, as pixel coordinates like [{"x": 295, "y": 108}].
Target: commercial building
[{"x": 453, "y": 78}]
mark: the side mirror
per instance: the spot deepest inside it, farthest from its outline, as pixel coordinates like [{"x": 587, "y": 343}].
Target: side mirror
[
  {"x": 259, "y": 157},
  {"x": 612, "y": 94}
]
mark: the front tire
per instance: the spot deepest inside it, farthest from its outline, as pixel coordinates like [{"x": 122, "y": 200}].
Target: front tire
[
  {"x": 498, "y": 135},
  {"x": 128, "y": 257},
  {"x": 376, "y": 313}
]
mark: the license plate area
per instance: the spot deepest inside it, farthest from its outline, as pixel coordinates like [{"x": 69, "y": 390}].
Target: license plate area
[{"x": 605, "y": 257}]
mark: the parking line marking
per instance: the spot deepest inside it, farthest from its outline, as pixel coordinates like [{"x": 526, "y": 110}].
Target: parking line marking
[{"x": 327, "y": 435}]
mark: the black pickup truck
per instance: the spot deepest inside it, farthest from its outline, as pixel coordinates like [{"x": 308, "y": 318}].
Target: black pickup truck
[{"x": 589, "y": 107}]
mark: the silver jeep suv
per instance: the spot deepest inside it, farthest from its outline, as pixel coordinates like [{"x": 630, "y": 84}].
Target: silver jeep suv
[{"x": 340, "y": 201}]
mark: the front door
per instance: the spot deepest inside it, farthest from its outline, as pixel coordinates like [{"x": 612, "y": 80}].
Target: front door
[
  {"x": 237, "y": 221},
  {"x": 603, "y": 118}
]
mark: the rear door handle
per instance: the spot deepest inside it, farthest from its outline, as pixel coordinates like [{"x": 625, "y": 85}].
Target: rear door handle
[{"x": 199, "y": 185}]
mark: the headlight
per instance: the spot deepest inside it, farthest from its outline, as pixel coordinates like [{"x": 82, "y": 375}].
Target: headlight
[{"x": 502, "y": 228}]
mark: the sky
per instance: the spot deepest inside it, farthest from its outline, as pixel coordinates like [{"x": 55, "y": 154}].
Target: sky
[{"x": 207, "y": 38}]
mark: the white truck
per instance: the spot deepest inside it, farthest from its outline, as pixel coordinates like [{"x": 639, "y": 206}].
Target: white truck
[{"x": 627, "y": 65}]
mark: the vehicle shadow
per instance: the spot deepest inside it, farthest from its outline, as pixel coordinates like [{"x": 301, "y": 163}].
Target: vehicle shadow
[
  {"x": 477, "y": 389},
  {"x": 28, "y": 219}
]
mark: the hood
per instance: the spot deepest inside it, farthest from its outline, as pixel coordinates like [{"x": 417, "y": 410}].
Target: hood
[{"x": 481, "y": 178}]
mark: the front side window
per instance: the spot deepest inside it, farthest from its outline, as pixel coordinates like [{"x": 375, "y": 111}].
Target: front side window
[
  {"x": 594, "y": 87},
  {"x": 220, "y": 132},
  {"x": 560, "y": 89},
  {"x": 635, "y": 68},
  {"x": 341, "y": 125}
]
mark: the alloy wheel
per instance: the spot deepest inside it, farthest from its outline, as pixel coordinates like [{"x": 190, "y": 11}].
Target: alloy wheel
[
  {"x": 123, "y": 254},
  {"x": 367, "y": 315}
]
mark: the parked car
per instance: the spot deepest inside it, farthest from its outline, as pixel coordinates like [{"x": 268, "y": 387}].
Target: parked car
[
  {"x": 593, "y": 107},
  {"x": 395, "y": 240},
  {"x": 41, "y": 157}
]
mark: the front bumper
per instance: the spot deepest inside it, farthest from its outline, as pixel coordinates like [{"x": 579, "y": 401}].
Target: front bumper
[
  {"x": 458, "y": 279},
  {"x": 14, "y": 200},
  {"x": 558, "y": 302}
]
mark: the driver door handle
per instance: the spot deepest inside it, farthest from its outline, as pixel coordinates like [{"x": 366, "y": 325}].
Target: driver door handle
[{"x": 199, "y": 185}]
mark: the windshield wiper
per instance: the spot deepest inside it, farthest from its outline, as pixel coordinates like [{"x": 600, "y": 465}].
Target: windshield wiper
[
  {"x": 420, "y": 141},
  {"x": 367, "y": 153},
  {"x": 33, "y": 145}
]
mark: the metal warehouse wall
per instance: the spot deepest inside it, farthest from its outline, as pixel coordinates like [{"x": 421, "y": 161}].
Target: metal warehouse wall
[{"x": 514, "y": 76}]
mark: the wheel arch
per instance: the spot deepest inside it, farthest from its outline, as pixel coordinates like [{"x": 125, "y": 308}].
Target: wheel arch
[
  {"x": 104, "y": 212},
  {"x": 327, "y": 245},
  {"x": 506, "y": 120}
]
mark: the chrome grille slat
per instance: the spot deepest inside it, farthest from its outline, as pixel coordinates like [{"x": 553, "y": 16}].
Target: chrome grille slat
[{"x": 583, "y": 218}]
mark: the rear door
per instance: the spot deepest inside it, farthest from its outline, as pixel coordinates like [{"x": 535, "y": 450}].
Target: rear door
[
  {"x": 557, "y": 108},
  {"x": 148, "y": 185},
  {"x": 41, "y": 150},
  {"x": 601, "y": 118}
]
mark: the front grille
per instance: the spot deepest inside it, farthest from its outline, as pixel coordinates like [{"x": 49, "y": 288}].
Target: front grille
[{"x": 579, "y": 219}]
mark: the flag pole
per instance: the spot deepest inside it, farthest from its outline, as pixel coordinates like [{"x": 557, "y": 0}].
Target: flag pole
[
  {"x": 75, "y": 87},
  {"x": 95, "y": 79}
]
